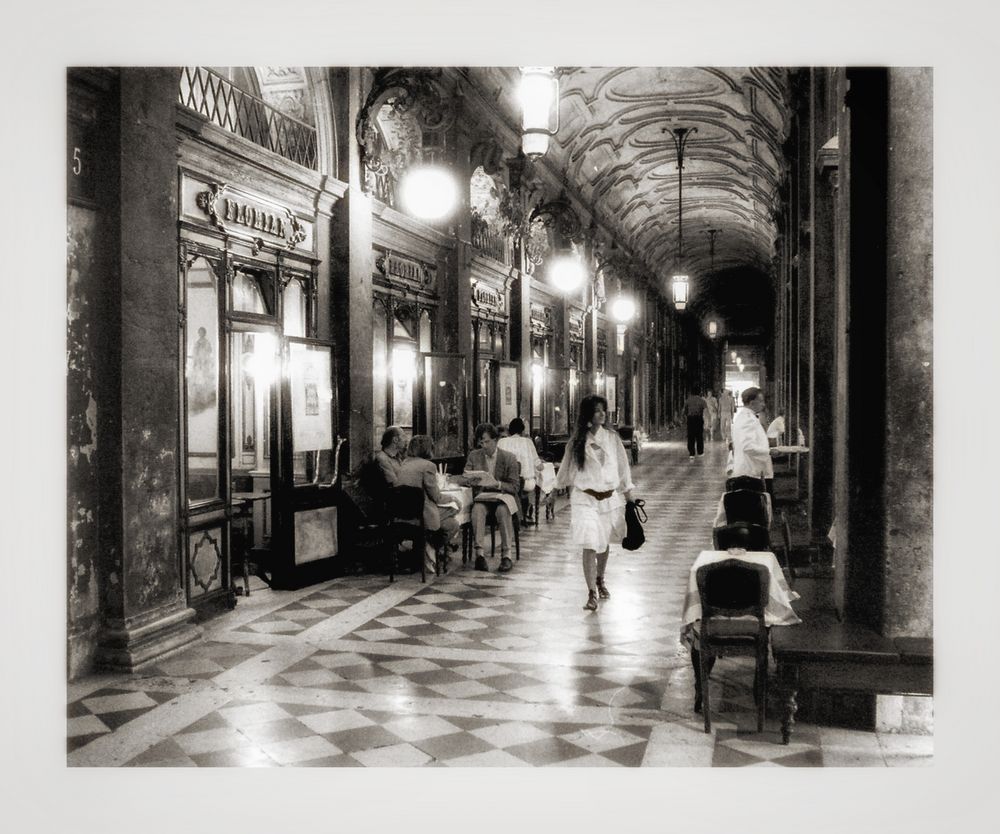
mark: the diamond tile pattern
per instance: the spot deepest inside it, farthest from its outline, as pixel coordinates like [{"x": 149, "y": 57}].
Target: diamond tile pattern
[{"x": 471, "y": 669}]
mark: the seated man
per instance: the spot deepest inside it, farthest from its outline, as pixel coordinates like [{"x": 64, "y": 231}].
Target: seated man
[
  {"x": 524, "y": 450},
  {"x": 390, "y": 456},
  {"x": 499, "y": 490},
  {"x": 751, "y": 446}
]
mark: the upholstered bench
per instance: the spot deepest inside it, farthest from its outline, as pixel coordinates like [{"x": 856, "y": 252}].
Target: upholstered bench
[{"x": 823, "y": 653}]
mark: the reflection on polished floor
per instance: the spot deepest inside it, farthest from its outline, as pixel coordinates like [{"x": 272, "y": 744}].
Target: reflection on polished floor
[{"x": 469, "y": 669}]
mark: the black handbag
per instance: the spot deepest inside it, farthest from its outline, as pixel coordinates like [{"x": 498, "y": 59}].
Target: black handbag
[{"x": 635, "y": 515}]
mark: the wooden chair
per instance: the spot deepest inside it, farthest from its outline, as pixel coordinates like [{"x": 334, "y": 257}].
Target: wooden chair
[
  {"x": 728, "y": 590},
  {"x": 746, "y": 506},
  {"x": 747, "y": 536},
  {"x": 406, "y": 523},
  {"x": 745, "y": 482}
]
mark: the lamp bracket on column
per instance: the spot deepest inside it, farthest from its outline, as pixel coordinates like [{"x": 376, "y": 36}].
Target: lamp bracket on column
[{"x": 406, "y": 89}]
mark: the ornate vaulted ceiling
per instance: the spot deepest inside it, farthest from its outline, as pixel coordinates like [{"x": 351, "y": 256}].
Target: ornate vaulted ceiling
[{"x": 614, "y": 145}]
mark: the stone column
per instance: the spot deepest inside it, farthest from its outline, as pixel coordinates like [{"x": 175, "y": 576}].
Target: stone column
[
  {"x": 909, "y": 320},
  {"x": 145, "y": 614},
  {"x": 454, "y": 286},
  {"x": 351, "y": 269}
]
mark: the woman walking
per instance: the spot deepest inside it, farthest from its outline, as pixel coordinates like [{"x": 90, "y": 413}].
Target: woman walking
[
  {"x": 711, "y": 414},
  {"x": 596, "y": 466}
]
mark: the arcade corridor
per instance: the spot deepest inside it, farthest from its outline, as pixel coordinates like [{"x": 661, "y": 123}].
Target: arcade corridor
[{"x": 470, "y": 669}]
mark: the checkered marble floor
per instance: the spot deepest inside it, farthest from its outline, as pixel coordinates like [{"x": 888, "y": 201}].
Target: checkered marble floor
[{"x": 470, "y": 669}]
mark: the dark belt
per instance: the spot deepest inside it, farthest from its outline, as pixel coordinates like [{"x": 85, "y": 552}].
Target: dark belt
[{"x": 600, "y": 496}]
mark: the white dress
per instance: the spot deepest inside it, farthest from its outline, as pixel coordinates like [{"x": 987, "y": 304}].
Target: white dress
[{"x": 596, "y": 523}]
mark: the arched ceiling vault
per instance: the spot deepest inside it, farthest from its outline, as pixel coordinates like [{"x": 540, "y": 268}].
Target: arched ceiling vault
[{"x": 614, "y": 146}]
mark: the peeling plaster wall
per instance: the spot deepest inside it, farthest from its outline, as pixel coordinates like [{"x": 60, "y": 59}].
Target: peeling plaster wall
[
  {"x": 910, "y": 378},
  {"x": 83, "y": 497}
]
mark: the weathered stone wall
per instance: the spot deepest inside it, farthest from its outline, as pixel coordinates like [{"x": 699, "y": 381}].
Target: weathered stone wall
[{"x": 910, "y": 381}]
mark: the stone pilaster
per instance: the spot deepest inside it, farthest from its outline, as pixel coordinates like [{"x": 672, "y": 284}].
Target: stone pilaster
[
  {"x": 145, "y": 615},
  {"x": 351, "y": 275}
]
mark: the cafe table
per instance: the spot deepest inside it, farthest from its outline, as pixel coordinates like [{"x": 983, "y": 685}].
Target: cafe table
[{"x": 780, "y": 596}]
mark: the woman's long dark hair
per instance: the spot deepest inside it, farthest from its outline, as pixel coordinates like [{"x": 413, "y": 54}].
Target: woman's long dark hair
[{"x": 588, "y": 405}]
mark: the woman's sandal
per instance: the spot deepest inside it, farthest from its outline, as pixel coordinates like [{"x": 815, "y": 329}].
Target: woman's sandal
[
  {"x": 602, "y": 589},
  {"x": 591, "y": 601}
]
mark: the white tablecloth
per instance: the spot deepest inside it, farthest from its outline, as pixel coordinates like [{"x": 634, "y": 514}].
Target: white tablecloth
[
  {"x": 460, "y": 495},
  {"x": 780, "y": 597}
]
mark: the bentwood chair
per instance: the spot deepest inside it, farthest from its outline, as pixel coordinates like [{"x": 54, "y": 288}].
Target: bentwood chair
[
  {"x": 745, "y": 482},
  {"x": 747, "y": 536},
  {"x": 733, "y": 597},
  {"x": 746, "y": 506}
]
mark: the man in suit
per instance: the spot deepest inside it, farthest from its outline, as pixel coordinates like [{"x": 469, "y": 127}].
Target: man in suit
[{"x": 503, "y": 466}]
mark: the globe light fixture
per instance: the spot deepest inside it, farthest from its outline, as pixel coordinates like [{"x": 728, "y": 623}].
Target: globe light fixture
[
  {"x": 623, "y": 309},
  {"x": 539, "y": 97},
  {"x": 566, "y": 273},
  {"x": 428, "y": 192}
]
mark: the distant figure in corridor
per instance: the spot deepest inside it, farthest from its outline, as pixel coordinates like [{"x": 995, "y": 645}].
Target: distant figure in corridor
[
  {"x": 751, "y": 447},
  {"x": 711, "y": 414},
  {"x": 522, "y": 447},
  {"x": 596, "y": 466},
  {"x": 726, "y": 407},
  {"x": 695, "y": 407}
]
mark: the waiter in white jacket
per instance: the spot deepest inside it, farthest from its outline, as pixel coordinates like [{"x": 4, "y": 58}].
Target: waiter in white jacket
[{"x": 751, "y": 446}]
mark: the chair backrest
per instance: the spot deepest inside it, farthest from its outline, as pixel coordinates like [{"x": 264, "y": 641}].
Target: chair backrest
[
  {"x": 406, "y": 504},
  {"x": 745, "y": 505},
  {"x": 745, "y": 482},
  {"x": 741, "y": 534},
  {"x": 732, "y": 588},
  {"x": 372, "y": 480}
]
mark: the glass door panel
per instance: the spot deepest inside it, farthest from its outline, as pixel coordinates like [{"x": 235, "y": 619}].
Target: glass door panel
[{"x": 202, "y": 363}]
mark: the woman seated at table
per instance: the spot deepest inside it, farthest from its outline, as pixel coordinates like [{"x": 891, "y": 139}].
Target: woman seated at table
[
  {"x": 521, "y": 447},
  {"x": 496, "y": 488},
  {"x": 417, "y": 470}
]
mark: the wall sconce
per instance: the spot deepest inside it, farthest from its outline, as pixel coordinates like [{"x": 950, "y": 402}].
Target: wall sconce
[
  {"x": 539, "y": 95},
  {"x": 713, "y": 329},
  {"x": 733, "y": 355},
  {"x": 620, "y": 334},
  {"x": 536, "y": 374},
  {"x": 262, "y": 364},
  {"x": 404, "y": 364},
  {"x": 566, "y": 273},
  {"x": 428, "y": 192}
]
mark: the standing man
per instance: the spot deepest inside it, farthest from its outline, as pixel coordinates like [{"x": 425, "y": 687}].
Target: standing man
[
  {"x": 695, "y": 406},
  {"x": 726, "y": 408},
  {"x": 751, "y": 446}
]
